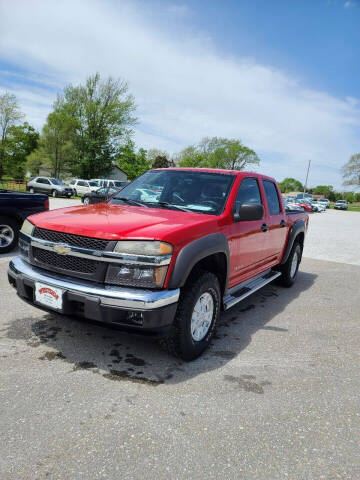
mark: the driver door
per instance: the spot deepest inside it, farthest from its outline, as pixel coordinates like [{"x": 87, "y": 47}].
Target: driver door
[{"x": 247, "y": 255}]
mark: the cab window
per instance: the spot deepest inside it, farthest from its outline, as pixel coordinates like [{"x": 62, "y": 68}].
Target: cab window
[{"x": 272, "y": 197}]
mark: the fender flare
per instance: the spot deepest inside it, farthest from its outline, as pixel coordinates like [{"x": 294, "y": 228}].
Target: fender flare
[
  {"x": 195, "y": 251},
  {"x": 296, "y": 229}
]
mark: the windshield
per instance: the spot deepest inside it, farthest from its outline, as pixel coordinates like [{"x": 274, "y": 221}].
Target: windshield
[
  {"x": 56, "y": 181},
  {"x": 200, "y": 192}
]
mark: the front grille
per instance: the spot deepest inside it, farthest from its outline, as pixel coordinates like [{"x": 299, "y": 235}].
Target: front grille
[
  {"x": 64, "y": 262},
  {"x": 74, "y": 240}
]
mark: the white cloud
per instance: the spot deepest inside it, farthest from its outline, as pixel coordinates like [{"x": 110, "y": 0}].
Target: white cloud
[
  {"x": 184, "y": 86},
  {"x": 349, "y": 4}
]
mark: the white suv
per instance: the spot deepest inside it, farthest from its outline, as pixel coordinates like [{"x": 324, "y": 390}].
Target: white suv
[
  {"x": 104, "y": 182},
  {"x": 81, "y": 187}
]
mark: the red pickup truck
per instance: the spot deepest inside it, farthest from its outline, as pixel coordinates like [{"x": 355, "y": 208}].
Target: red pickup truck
[{"x": 164, "y": 256}]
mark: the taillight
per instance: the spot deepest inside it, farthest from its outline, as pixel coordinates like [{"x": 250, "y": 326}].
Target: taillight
[{"x": 46, "y": 204}]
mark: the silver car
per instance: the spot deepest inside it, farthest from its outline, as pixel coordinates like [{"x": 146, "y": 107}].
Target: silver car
[{"x": 51, "y": 186}]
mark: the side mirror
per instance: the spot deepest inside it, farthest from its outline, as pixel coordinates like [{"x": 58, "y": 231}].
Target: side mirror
[{"x": 248, "y": 212}]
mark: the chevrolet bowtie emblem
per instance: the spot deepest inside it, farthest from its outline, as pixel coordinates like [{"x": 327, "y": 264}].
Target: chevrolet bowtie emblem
[{"x": 62, "y": 249}]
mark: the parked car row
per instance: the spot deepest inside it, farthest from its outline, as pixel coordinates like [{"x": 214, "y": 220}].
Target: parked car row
[
  {"x": 50, "y": 186},
  {"x": 77, "y": 186},
  {"x": 304, "y": 204}
]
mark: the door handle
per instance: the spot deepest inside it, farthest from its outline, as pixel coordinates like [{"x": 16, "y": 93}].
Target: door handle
[
  {"x": 282, "y": 223},
  {"x": 264, "y": 227}
]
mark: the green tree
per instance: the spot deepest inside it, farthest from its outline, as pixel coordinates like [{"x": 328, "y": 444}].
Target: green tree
[
  {"x": 103, "y": 114},
  {"x": 218, "y": 152},
  {"x": 351, "y": 171},
  {"x": 21, "y": 141},
  {"x": 290, "y": 185},
  {"x": 326, "y": 190},
  {"x": 191, "y": 157},
  {"x": 162, "y": 162},
  {"x": 38, "y": 159},
  {"x": 131, "y": 162},
  {"x": 56, "y": 140},
  {"x": 10, "y": 114},
  {"x": 350, "y": 197}
]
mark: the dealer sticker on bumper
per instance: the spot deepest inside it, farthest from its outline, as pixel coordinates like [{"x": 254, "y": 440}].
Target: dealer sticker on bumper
[{"x": 51, "y": 297}]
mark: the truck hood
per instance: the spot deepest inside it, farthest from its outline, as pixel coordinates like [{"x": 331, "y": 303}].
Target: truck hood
[{"x": 118, "y": 222}]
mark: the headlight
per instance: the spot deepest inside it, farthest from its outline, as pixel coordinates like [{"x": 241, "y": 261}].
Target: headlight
[
  {"x": 146, "y": 247},
  {"x": 145, "y": 263},
  {"x": 136, "y": 275},
  {"x": 27, "y": 228}
]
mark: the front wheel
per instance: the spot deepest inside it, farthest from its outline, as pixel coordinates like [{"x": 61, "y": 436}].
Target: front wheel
[
  {"x": 31, "y": 190},
  {"x": 196, "y": 316},
  {"x": 54, "y": 193},
  {"x": 291, "y": 266}
]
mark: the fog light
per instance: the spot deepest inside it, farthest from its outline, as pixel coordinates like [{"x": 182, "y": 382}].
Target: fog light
[{"x": 136, "y": 317}]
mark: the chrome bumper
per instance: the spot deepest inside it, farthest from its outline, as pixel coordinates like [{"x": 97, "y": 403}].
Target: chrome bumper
[{"x": 109, "y": 296}]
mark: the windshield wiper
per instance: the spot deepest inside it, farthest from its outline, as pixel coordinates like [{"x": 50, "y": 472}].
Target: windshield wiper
[
  {"x": 167, "y": 204},
  {"x": 129, "y": 200}
]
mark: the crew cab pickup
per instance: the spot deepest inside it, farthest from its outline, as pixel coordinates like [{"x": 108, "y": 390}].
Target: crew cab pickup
[
  {"x": 164, "y": 264},
  {"x": 14, "y": 208}
]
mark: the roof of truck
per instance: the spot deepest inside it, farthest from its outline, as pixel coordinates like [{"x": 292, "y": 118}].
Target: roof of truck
[{"x": 243, "y": 173}]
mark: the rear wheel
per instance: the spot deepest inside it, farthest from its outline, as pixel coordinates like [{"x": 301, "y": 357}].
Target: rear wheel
[
  {"x": 86, "y": 201},
  {"x": 196, "y": 316},
  {"x": 9, "y": 232},
  {"x": 75, "y": 193},
  {"x": 290, "y": 269}
]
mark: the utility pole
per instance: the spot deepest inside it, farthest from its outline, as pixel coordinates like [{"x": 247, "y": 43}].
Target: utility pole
[{"x": 307, "y": 176}]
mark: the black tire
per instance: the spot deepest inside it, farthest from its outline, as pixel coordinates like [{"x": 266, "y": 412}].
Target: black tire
[
  {"x": 31, "y": 190},
  {"x": 180, "y": 342},
  {"x": 288, "y": 277},
  {"x": 54, "y": 193},
  {"x": 13, "y": 227},
  {"x": 86, "y": 200},
  {"x": 75, "y": 193}
]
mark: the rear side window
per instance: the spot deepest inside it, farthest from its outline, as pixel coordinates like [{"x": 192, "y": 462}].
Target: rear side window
[
  {"x": 81, "y": 183},
  {"x": 272, "y": 197},
  {"x": 248, "y": 193}
]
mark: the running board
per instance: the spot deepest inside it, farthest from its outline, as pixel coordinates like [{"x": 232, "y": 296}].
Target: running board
[{"x": 245, "y": 289}]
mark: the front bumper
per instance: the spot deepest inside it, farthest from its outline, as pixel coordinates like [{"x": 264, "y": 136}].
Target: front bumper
[{"x": 147, "y": 311}]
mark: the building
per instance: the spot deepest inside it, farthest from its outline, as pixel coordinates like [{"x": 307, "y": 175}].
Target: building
[{"x": 117, "y": 174}]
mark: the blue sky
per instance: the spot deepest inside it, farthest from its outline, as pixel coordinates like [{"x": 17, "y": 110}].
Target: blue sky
[{"x": 283, "y": 76}]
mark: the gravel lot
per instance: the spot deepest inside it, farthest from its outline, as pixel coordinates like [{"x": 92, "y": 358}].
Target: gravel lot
[{"x": 276, "y": 396}]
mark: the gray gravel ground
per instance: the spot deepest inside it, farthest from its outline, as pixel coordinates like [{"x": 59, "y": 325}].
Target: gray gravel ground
[
  {"x": 63, "y": 202},
  {"x": 276, "y": 396},
  {"x": 334, "y": 235}
]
